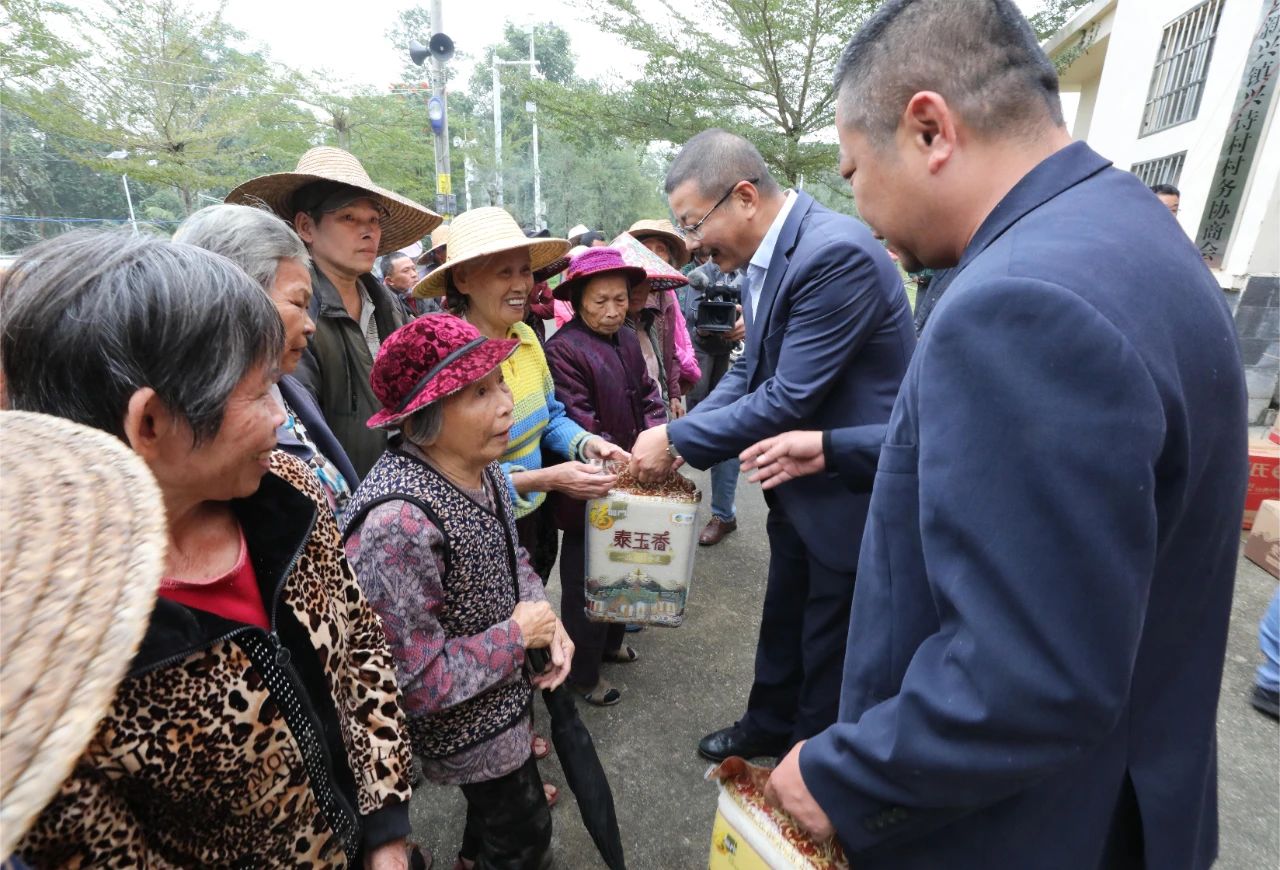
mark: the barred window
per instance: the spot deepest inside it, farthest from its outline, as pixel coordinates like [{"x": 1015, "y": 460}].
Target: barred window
[
  {"x": 1182, "y": 64},
  {"x": 1162, "y": 170}
]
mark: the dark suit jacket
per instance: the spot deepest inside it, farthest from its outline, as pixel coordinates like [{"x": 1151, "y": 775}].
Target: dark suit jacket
[
  {"x": 1041, "y": 614},
  {"x": 827, "y": 348}
]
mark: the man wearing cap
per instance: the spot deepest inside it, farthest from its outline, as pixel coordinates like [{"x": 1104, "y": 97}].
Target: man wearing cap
[{"x": 346, "y": 221}]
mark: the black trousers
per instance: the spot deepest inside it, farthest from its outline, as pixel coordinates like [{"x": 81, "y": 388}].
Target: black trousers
[
  {"x": 508, "y": 821},
  {"x": 803, "y": 633},
  {"x": 538, "y": 535},
  {"x": 590, "y": 639}
]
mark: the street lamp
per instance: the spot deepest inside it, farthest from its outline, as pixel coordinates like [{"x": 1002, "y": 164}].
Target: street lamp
[
  {"x": 121, "y": 155},
  {"x": 532, "y": 109}
]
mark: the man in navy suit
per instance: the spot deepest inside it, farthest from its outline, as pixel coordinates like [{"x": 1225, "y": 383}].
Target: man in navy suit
[
  {"x": 829, "y": 336},
  {"x": 1045, "y": 582}
]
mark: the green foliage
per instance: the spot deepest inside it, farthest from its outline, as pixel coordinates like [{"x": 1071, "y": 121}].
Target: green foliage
[{"x": 1053, "y": 14}]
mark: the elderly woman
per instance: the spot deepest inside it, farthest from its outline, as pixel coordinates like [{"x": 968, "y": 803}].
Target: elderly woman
[
  {"x": 267, "y": 249},
  {"x": 431, "y": 535},
  {"x": 258, "y": 725},
  {"x": 602, "y": 381},
  {"x": 660, "y": 237}
]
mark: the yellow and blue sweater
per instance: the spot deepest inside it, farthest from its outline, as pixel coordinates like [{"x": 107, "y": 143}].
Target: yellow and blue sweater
[{"x": 539, "y": 418}]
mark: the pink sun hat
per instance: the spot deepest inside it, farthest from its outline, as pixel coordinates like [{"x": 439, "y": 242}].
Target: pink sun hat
[
  {"x": 660, "y": 275},
  {"x": 596, "y": 261},
  {"x": 427, "y": 359}
]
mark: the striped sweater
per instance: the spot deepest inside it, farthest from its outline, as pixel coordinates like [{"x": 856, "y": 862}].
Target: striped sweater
[{"x": 540, "y": 421}]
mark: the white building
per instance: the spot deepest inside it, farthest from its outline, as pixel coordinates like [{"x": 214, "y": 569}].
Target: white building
[{"x": 1183, "y": 92}]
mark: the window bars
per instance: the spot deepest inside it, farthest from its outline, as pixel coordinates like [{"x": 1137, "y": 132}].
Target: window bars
[
  {"x": 1162, "y": 170},
  {"x": 1182, "y": 64}
]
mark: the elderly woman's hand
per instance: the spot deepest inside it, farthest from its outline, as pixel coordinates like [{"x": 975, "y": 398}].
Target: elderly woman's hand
[
  {"x": 598, "y": 448},
  {"x": 579, "y": 480},
  {"x": 537, "y": 623},
  {"x": 561, "y": 660}
]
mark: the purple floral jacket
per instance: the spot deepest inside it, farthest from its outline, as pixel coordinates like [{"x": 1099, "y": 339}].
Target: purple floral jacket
[{"x": 605, "y": 388}]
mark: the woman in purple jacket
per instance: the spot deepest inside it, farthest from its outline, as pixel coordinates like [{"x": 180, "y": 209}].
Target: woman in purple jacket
[{"x": 602, "y": 381}]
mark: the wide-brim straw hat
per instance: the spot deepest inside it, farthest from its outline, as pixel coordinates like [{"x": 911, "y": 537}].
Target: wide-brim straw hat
[
  {"x": 659, "y": 273},
  {"x": 482, "y": 232},
  {"x": 439, "y": 238},
  {"x": 593, "y": 262},
  {"x": 406, "y": 221},
  {"x": 665, "y": 230},
  {"x": 82, "y": 548}
]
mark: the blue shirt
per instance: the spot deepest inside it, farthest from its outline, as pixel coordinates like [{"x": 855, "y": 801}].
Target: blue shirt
[{"x": 759, "y": 265}]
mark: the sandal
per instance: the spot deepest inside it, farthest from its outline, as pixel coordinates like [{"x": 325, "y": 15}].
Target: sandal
[
  {"x": 623, "y": 655},
  {"x": 601, "y": 695},
  {"x": 552, "y": 793},
  {"x": 540, "y": 747}
]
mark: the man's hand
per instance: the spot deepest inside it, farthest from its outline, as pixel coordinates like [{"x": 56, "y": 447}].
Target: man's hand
[
  {"x": 650, "y": 460},
  {"x": 784, "y": 457},
  {"x": 739, "y": 331},
  {"x": 787, "y": 791},
  {"x": 561, "y": 649},
  {"x": 389, "y": 856}
]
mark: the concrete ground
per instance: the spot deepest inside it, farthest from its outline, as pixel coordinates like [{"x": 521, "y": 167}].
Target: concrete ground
[{"x": 693, "y": 679}]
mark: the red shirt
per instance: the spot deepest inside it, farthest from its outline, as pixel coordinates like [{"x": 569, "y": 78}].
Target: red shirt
[{"x": 233, "y": 596}]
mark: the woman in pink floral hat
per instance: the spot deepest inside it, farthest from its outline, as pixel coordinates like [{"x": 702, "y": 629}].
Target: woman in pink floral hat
[{"x": 431, "y": 535}]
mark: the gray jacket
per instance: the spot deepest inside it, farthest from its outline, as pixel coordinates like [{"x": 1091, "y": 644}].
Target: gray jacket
[{"x": 337, "y": 363}]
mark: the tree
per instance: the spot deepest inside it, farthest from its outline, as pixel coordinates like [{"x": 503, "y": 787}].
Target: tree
[
  {"x": 167, "y": 85},
  {"x": 1053, "y": 14},
  {"x": 762, "y": 69}
]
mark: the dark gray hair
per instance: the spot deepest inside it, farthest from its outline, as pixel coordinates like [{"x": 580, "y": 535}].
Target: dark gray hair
[
  {"x": 423, "y": 426},
  {"x": 389, "y": 261},
  {"x": 89, "y": 318},
  {"x": 717, "y": 160},
  {"x": 980, "y": 55},
  {"x": 254, "y": 239}
]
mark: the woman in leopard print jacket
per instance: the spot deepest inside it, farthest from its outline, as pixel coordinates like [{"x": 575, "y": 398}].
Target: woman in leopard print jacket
[{"x": 259, "y": 724}]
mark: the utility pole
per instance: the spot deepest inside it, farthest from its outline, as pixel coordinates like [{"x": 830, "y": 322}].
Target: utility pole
[
  {"x": 444, "y": 175},
  {"x": 531, "y": 107}
]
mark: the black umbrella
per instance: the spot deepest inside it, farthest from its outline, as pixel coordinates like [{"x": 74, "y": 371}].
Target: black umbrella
[{"x": 582, "y": 770}]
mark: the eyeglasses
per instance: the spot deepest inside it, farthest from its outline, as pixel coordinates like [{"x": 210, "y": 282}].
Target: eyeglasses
[{"x": 695, "y": 232}]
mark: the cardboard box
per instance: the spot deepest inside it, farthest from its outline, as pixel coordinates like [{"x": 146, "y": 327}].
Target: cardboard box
[
  {"x": 1262, "y": 547},
  {"x": 1264, "y": 476}
]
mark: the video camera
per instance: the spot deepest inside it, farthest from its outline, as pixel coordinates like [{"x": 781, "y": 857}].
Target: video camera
[{"x": 717, "y": 303}]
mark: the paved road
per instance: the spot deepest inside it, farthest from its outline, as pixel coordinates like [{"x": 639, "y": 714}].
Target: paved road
[{"x": 694, "y": 679}]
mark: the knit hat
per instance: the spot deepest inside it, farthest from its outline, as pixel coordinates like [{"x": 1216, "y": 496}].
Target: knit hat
[
  {"x": 82, "y": 548},
  {"x": 404, "y": 223},
  {"x": 665, "y": 230},
  {"x": 428, "y": 359},
  {"x": 660, "y": 275},
  {"x": 481, "y": 232},
  {"x": 593, "y": 262}
]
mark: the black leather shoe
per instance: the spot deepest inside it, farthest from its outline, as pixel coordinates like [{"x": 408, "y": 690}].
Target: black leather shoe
[{"x": 719, "y": 745}]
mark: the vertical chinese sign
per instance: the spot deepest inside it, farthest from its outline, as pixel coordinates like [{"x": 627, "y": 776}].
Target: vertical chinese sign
[{"x": 1241, "y": 141}]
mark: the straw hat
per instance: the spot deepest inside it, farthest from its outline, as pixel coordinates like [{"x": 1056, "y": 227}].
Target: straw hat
[
  {"x": 665, "y": 230},
  {"x": 82, "y": 546},
  {"x": 439, "y": 238},
  {"x": 405, "y": 223},
  {"x": 661, "y": 276},
  {"x": 483, "y": 231}
]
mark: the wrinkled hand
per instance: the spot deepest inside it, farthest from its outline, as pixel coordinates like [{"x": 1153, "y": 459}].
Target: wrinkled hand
[
  {"x": 675, "y": 409},
  {"x": 579, "y": 480},
  {"x": 561, "y": 649},
  {"x": 388, "y": 856},
  {"x": 650, "y": 460},
  {"x": 784, "y": 457},
  {"x": 598, "y": 448},
  {"x": 787, "y": 791},
  {"x": 537, "y": 623},
  {"x": 739, "y": 331}
]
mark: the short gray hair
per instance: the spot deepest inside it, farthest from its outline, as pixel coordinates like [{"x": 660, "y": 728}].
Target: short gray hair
[
  {"x": 254, "y": 239},
  {"x": 90, "y": 317},
  {"x": 980, "y": 55},
  {"x": 716, "y": 160},
  {"x": 422, "y": 427}
]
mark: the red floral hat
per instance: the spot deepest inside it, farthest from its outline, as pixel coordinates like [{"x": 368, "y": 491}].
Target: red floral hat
[
  {"x": 592, "y": 262},
  {"x": 428, "y": 359}
]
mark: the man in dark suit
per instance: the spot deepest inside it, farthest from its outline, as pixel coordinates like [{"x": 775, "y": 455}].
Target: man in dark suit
[
  {"x": 829, "y": 336},
  {"x": 1045, "y": 582}
]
